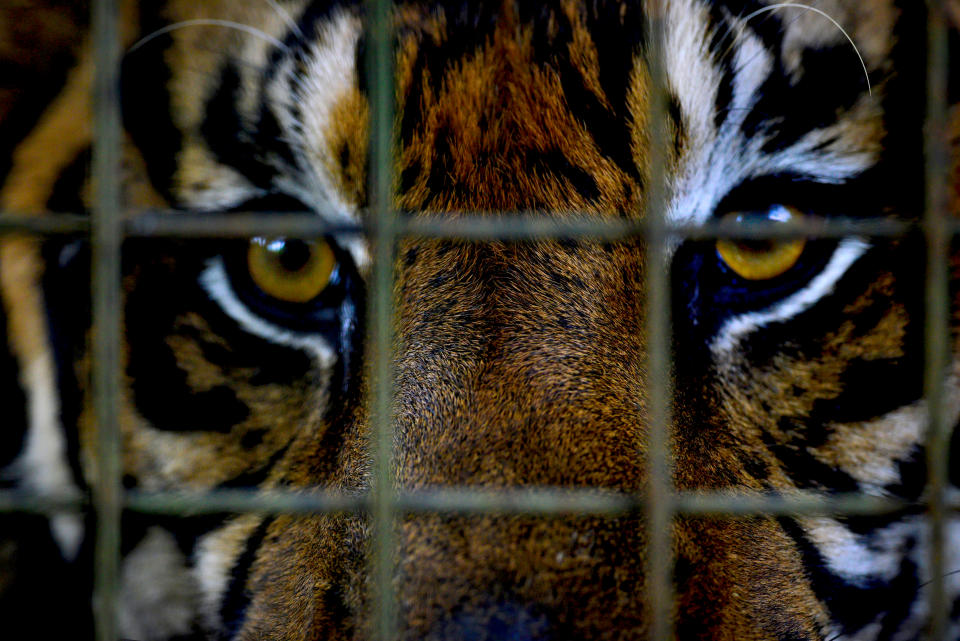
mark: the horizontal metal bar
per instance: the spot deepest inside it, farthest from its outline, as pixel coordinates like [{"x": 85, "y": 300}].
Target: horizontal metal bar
[
  {"x": 235, "y": 225},
  {"x": 539, "y": 226},
  {"x": 533, "y": 501},
  {"x": 45, "y": 223},
  {"x": 268, "y": 502},
  {"x": 476, "y": 227},
  {"x": 26, "y": 502},
  {"x": 732, "y": 505}
]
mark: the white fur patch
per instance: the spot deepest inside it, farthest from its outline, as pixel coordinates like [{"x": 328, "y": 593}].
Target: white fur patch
[
  {"x": 42, "y": 467},
  {"x": 330, "y": 73},
  {"x": 716, "y": 160},
  {"x": 215, "y": 281},
  {"x": 214, "y": 558},
  {"x": 878, "y": 555},
  {"x": 159, "y": 595}
]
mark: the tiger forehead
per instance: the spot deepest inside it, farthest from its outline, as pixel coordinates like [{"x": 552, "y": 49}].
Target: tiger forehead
[{"x": 520, "y": 107}]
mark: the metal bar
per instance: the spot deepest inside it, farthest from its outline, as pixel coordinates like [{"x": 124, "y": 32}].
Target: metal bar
[
  {"x": 238, "y": 501},
  {"x": 659, "y": 456},
  {"x": 106, "y": 230},
  {"x": 236, "y": 225},
  {"x": 44, "y": 224},
  {"x": 383, "y": 218},
  {"x": 545, "y": 501},
  {"x": 531, "y": 225},
  {"x": 483, "y": 227},
  {"x": 30, "y": 503},
  {"x": 937, "y": 332},
  {"x": 474, "y": 227}
]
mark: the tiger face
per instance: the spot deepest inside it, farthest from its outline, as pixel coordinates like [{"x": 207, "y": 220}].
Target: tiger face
[{"x": 797, "y": 363}]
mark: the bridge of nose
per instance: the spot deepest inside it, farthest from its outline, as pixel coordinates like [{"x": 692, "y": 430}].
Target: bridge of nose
[{"x": 520, "y": 364}]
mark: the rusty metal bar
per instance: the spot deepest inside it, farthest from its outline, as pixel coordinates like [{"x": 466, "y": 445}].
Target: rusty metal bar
[{"x": 106, "y": 238}]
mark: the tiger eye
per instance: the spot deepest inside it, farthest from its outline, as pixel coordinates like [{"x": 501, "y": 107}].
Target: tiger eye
[
  {"x": 292, "y": 271},
  {"x": 762, "y": 259}
]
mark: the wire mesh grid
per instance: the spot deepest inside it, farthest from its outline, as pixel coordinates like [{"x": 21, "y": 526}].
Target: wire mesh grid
[{"x": 660, "y": 504}]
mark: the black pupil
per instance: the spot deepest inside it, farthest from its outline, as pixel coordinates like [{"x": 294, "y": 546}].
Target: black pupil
[
  {"x": 757, "y": 246},
  {"x": 294, "y": 255}
]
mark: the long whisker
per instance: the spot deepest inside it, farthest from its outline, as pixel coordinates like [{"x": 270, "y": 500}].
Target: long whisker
[
  {"x": 945, "y": 575},
  {"x": 788, "y": 5},
  {"x": 734, "y": 28},
  {"x": 285, "y": 16},
  {"x": 739, "y": 29},
  {"x": 253, "y": 31}
]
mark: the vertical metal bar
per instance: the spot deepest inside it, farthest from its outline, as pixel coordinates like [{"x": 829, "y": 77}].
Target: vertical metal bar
[
  {"x": 659, "y": 507},
  {"x": 106, "y": 240},
  {"x": 937, "y": 345},
  {"x": 380, "y": 72}
]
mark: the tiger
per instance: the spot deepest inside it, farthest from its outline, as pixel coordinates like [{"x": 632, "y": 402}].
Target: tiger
[{"x": 796, "y": 364}]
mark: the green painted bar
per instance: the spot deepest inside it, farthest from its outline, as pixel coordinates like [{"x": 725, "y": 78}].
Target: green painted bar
[
  {"x": 659, "y": 510},
  {"x": 106, "y": 239},
  {"x": 537, "y": 501},
  {"x": 384, "y": 227}
]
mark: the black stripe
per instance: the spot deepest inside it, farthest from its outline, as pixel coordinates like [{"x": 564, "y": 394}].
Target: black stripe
[
  {"x": 557, "y": 164},
  {"x": 237, "y": 598},
  {"x": 33, "y": 71},
  {"x": 67, "y": 193},
  {"x": 146, "y": 104},
  {"x": 850, "y": 606},
  {"x": 721, "y": 48},
  {"x": 619, "y": 31},
  {"x": 14, "y": 404},
  {"x": 230, "y": 139},
  {"x": 66, "y": 290},
  {"x": 803, "y": 467},
  {"x": 469, "y": 26}
]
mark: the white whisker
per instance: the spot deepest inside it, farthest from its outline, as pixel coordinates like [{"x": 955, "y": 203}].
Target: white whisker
[
  {"x": 285, "y": 16},
  {"x": 732, "y": 29},
  {"x": 792, "y": 5},
  {"x": 253, "y": 31}
]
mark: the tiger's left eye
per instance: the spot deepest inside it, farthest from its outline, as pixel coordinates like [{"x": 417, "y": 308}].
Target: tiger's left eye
[
  {"x": 762, "y": 259},
  {"x": 292, "y": 271}
]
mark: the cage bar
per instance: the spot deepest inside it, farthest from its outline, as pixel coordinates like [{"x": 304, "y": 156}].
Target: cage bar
[
  {"x": 106, "y": 239},
  {"x": 473, "y": 227},
  {"x": 659, "y": 510},
  {"x": 379, "y": 63}
]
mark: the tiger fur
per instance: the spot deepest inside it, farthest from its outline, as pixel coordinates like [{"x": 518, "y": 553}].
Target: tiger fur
[{"x": 518, "y": 364}]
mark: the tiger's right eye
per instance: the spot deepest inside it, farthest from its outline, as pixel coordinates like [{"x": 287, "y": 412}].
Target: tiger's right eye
[
  {"x": 765, "y": 258},
  {"x": 291, "y": 270}
]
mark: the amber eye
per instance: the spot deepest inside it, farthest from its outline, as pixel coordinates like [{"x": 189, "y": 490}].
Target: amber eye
[
  {"x": 762, "y": 259},
  {"x": 293, "y": 271}
]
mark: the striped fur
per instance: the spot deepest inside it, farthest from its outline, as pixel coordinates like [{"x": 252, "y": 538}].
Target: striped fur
[{"x": 518, "y": 364}]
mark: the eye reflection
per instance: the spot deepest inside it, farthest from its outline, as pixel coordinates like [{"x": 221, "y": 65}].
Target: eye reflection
[
  {"x": 291, "y": 270},
  {"x": 762, "y": 259}
]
